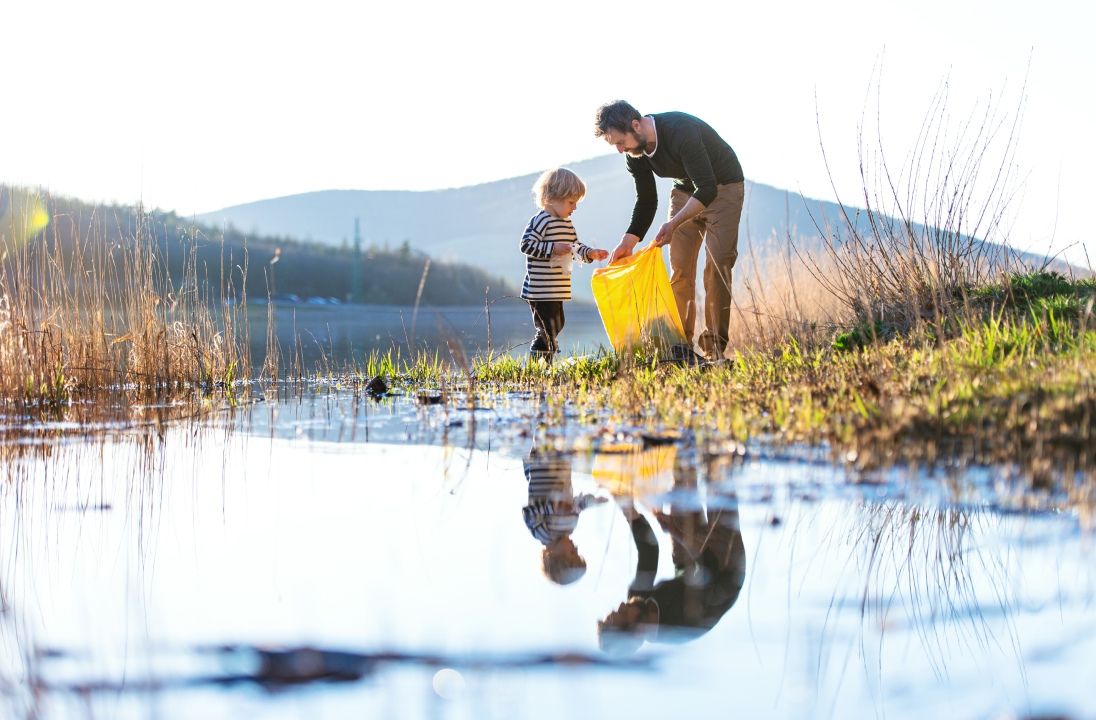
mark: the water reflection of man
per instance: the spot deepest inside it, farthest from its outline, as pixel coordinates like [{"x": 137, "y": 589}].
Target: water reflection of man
[
  {"x": 552, "y": 513},
  {"x": 710, "y": 568}
]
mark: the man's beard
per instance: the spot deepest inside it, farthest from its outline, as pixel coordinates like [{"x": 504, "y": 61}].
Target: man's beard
[{"x": 641, "y": 145}]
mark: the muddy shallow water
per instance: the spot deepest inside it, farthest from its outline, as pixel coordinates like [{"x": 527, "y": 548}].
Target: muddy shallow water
[{"x": 324, "y": 555}]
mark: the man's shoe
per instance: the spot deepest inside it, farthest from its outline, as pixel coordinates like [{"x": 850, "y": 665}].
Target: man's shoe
[{"x": 684, "y": 355}]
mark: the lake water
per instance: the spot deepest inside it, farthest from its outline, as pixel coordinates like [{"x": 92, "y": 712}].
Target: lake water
[
  {"x": 345, "y": 331},
  {"x": 317, "y": 554}
]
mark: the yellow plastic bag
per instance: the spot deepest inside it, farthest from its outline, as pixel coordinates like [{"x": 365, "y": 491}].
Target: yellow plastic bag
[
  {"x": 636, "y": 473},
  {"x": 635, "y": 301}
]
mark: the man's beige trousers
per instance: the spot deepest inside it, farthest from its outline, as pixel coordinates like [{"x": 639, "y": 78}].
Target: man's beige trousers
[{"x": 717, "y": 229}]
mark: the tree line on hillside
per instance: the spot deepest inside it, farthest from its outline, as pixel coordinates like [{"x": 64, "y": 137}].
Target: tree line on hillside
[{"x": 233, "y": 265}]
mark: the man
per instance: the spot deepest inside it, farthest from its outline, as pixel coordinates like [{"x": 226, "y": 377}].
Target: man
[
  {"x": 709, "y": 571},
  {"x": 705, "y": 207}
]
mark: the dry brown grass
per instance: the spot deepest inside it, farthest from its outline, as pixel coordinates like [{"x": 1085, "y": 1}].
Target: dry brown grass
[
  {"x": 778, "y": 297},
  {"x": 80, "y": 311},
  {"x": 932, "y": 225}
]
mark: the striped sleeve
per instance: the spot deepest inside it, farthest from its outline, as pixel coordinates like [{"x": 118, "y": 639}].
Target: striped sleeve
[
  {"x": 584, "y": 252},
  {"x": 533, "y": 241},
  {"x": 548, "y": 520}
]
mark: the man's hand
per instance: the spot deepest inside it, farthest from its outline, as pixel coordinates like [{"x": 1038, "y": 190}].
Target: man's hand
[
  {"x": 561, "y": 248},
  {"x": 665, "y": 234},
  {"x": 624, "y": 248},
  {"x": 689, "y": 211},
  {"x": 598, "y": 255}
]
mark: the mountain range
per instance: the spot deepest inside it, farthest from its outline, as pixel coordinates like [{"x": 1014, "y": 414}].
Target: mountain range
[{"x": 482, "y": 224}]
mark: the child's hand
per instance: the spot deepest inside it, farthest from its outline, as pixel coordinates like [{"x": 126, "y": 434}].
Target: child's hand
[
  {"x": 599, "y": 255},
  {"x": 561, "y": 248}
]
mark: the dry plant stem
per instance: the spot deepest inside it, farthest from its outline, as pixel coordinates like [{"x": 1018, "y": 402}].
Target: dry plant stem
[
  {"x": 272, "y": 361},
  {"x": 930, "y": 229},
  {"x": 418, "y": 297}
]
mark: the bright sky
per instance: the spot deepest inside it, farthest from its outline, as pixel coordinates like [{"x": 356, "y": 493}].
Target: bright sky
[{"x": 199, "y": 105}]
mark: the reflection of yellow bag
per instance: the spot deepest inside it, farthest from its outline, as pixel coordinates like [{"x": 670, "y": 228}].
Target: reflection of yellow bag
[
  {"x": 637, "y": 473},
  {"x": 634, "y": 298}
]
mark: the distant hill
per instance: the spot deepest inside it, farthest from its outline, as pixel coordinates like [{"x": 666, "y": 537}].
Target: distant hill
[
  {"x": 277, "y": 266},
  {"x": 481, "y": 224}
]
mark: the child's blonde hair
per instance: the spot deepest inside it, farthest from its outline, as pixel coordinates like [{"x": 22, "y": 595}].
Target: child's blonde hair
[
  {"x": 561, "y": 569},
  {"x": 557, "y": 184}
]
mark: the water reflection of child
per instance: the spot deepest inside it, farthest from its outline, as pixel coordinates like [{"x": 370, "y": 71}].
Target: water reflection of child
[
  {"x": 709, "y": 570},
  {"x": 552, "y": 514}
]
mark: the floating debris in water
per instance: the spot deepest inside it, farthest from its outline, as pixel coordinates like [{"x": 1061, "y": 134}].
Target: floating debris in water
[
  {"x": 655, "y": 440},
  {"x": 307, "y": 664},
  {"x": 377, "y": 387}
]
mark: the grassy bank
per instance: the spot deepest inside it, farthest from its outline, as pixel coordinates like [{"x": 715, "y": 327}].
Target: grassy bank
[{"x": 1009, "y": 377}]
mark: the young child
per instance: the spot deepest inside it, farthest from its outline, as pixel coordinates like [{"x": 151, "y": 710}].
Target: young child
[
  {"x": 552, "y": 514},
  {"x": 549, "y": 244}
]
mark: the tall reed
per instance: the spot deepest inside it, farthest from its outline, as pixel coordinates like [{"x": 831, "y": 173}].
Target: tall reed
[{"x": 87, "y": 303}]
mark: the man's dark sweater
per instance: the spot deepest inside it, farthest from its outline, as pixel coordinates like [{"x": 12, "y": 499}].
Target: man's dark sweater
[
  {"x": 689, "y": 151},
  {"x": 704, "y": 586}
]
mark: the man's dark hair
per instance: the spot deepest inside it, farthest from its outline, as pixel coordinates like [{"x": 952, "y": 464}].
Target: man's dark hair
[{"x": 616, "y": 115}]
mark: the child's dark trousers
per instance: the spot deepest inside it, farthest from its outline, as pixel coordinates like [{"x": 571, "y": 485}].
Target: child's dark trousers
[{"x": 548, "y": 321}]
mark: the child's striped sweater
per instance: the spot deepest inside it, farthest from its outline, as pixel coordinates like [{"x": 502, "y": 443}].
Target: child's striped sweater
[{"x": 543, "y": 281}]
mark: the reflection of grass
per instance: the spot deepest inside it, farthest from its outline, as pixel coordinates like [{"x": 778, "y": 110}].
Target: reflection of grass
[
  {"x": 54, "y": 480},
  {"x": 945, "y": 578},
  {"x": 921, "y": 581},
  {"x": 925, "y": 564}
]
